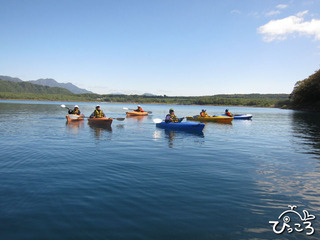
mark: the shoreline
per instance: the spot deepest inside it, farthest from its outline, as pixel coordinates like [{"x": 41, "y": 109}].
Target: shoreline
[{"x": 155, "y": 103}]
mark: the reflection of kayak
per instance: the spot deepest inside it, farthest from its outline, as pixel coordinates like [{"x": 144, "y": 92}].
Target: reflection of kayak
[
  {"x": 74, "y": 117},
  {"x": 137, "y": 113},
  {"x": 240, "y": 116},
  {"x": 223, "y": 119},
  {"x": 100, "y": 121},
  {"x": 189, "y": 126}
]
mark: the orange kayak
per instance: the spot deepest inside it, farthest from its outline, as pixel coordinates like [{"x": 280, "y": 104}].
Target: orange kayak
[
  {"x": 101, "y": 121},
  {"x": 137, "y": 114},
  {"x": 74, "y": 117}
]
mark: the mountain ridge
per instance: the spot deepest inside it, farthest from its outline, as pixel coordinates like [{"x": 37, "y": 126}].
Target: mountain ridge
[{"x": 50, "y": 83}]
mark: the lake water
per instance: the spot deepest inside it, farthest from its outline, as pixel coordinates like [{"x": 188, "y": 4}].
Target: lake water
[{"x": 135, "y": 181}]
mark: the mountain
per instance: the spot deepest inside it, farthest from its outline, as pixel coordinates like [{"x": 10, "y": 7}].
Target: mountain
[
  {"x": 53, "y": 83},
  {"x": 26, "y": 87},
  {"x": 10, "y": 79},
  {"x": 50, "y": 83},
  {"x": 148, "y": 94}
]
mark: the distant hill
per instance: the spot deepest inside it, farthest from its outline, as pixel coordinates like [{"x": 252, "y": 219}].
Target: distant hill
[
  {"x": 11, "y": 79},
  {"x": 26, "y": 87},
  {"x": 50, "y": 83},
  {"x": 148, "y": 94},
  {"x": 53, "y": 83},
  {"x": 278, "y": 96}
]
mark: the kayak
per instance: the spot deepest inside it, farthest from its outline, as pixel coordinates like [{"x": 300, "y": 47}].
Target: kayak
[
  {"x": 137, "y": 114},
  {"x": 100, "y": 121},
  {"x": 74, "y": 117},
  {"x": 240, "y": 116},
  {"x": 222, "y": 119},
  {"x": 188, "y": 126}
]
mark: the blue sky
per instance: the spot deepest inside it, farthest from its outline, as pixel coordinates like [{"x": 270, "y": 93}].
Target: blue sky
[{"x": 172, "y": 47}]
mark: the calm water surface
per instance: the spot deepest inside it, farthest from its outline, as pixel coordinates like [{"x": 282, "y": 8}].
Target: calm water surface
[{"x": 134, "y": 181}]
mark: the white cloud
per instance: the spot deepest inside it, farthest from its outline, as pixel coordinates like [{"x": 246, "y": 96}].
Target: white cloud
[
  {"x": 254, "y": 14},
  {"x": 280, "y": 29},
  {"x": 282, "y": 6},
  {"x": 300, "y": 14},
  {"x": 274, "y": 12},
  {"x": 235, "y": 11}
]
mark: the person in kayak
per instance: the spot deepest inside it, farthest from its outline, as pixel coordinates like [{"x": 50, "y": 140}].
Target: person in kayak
[
  {"x": 97, "y": 113},
  {"x": 204, "y": 113},
  {"x": 139, "y": 109},
  {"x": 75, "y": 110},
  {"x": 172, "y": 118},
  {"x": 228, "y": 113}
]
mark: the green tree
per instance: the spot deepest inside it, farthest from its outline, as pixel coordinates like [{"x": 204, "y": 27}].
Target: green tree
[{"x": 306, "y": 93}]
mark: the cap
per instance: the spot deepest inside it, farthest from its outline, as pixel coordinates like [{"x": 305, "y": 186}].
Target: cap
[
  {"x": 76, "y": 106},
  {"x": 203, "y": 110},
  {"x": 171, "y": 110},
  {"x": 97, "y": 106}
]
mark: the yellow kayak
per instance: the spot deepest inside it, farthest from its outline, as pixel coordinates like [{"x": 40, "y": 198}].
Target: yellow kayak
[{"x": 211, "y": 119}]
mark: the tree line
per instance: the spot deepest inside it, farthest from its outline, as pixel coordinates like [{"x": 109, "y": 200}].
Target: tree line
[
  {"x": 29, "y": 91},
  {"x": 306, "y": 93}
]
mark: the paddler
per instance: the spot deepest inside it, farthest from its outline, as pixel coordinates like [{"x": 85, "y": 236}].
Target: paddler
[
  {"x": 75, "y": 110},
  {"x": 204, "y": 113},
  {"x": 228, "y": 113},
  {"x": 98, "y": 113},
  {"x": 172, "y": 118},
  {"x": 139, "y": 109}
]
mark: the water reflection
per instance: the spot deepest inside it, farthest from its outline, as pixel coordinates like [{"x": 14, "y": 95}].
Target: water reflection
[
  {"x": 306, "y": 127},
  {"x": 138, "y": 118},
  {"x": 74, "y": 127},
  {"x": 174, "y": 136},
  {"x": 99, "y": 130}
]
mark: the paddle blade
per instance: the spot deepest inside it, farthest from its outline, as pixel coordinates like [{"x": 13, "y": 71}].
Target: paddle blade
[
  {"x": 120, "y": 119},
  {"x": 125, "y": 108},
  {"x": 157, "y": 120},
  {"x": 63, "y": 106}
]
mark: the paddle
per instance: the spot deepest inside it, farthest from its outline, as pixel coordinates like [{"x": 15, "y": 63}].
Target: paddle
[
  {"x": 119, "y": 119},
  {"x": 157, "y": 120},
  {"x": 125, "y": 108},
  {"x": 74, "y": 116},
  {"x": 64, "y": 106}
]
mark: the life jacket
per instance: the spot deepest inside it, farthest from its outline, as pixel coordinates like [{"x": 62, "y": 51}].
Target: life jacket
[
  {"x": 98, "y": 114},
  {"x": 76, "y": 111},
  {"x": 204, "y": 114},
  {"x": 139, "y": 110},
  {"x": 172, "y": 118},
  {"x": 228, "y": 114}
]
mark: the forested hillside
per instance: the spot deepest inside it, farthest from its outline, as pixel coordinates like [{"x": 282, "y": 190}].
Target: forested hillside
[
  {"x": 25, "y": 87},
  {"x": 306, "y": 93},
  {"x": 258, "y": 100}
]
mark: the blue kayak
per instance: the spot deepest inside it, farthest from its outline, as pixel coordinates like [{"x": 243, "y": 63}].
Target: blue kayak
[
  {"x": 188, "y": 126},
  {"x": 241, "y": 116}
]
